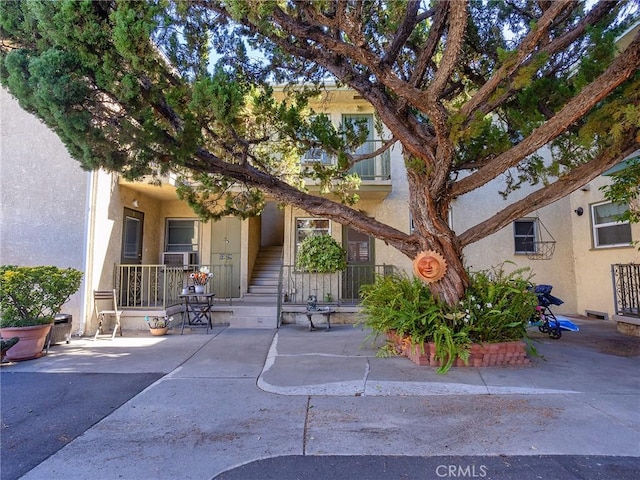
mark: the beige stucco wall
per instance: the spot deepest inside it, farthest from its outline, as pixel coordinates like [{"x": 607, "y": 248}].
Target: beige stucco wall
[
  {"x": 43, "y": 198},
  {"x": 498, "y": 248},
  {"x": 594, "y": 283},
  {"x": 580, "y": 275}
]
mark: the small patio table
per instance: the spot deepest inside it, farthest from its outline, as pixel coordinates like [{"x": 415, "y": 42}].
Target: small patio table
[{"x": 197, "y": 310}]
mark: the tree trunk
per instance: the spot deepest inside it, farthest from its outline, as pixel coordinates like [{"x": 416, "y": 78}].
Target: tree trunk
[{"x": 433, "y": 232}]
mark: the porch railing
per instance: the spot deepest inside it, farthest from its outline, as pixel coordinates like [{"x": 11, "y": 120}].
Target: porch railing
[
  {"x": 377, "y": 168},
  {"x": 341, "y": 287},
  {"x": 159, "y": 286},
  {"x": 626, "y": 289}
]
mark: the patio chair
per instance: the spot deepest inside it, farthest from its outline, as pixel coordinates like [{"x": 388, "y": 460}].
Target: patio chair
[{"x": 108, "y": 299}]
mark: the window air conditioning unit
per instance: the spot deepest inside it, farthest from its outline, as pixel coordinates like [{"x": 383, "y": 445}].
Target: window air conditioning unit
[{"x": 180, "y": 259}]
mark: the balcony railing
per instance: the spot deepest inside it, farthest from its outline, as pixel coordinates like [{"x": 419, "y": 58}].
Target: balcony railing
[
  {"x": 377, "y": 168},
  {"x": 337, "y": 288},
  {"x": 626, "y": 289},
  {"x": 159, "y": 286}
]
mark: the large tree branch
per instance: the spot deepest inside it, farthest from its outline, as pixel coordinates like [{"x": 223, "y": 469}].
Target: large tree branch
[
  {"x": 455, "y": 38},
  {"x": 527, "y": 46},
  {"x": 207, "y": 162},
  {"x": 566, "y": 184},
  {"x": 437, "y": 113},
  {"x": 556, "y": 45},
  {"x": 429, "y": 48},
  {"x": 405, "y": 29},
  {"x": 620, "y": 70}
]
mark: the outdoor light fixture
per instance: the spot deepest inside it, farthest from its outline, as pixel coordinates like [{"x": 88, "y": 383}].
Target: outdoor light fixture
[{"x": 579, "y": 211}]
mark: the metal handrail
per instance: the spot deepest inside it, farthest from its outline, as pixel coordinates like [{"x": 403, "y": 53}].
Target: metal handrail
[
  {"x": 626, "y": 289},
  {"x": 341, "y": 288},
  {"x": 159, "y": 286},
  {"x": 377, "y": 168}
]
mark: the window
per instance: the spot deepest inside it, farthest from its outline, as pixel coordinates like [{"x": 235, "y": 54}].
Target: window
[
  {"x": 182, "y": 235},
  {"x": 524, "y": 236},
  {"x": 306, "y": 227},
  {"x": 607, "y": 231}
]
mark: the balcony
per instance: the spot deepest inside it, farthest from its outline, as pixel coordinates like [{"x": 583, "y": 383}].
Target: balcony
[{"x": 375, "y": 172}]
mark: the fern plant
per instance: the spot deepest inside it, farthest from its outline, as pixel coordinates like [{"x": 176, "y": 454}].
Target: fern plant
[{"x": 496, "y": 308}]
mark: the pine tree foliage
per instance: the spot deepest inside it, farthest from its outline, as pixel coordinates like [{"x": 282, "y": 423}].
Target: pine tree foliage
[{"x": 471, "y": 90}]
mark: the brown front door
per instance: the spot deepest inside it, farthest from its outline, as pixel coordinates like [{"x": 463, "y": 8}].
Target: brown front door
[{"x": 360, "y": 263}]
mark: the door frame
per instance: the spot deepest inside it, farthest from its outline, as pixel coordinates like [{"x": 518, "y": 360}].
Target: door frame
[{"x": 138, "y": 216}]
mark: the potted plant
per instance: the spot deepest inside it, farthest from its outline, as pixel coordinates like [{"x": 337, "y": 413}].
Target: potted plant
[
  {"x": 158, "y": 325},
  {"x": 492, "y": 317},
  {"x": 321, "y": 254},
  {"x": 30, "y": 297},
  {"x": 6, "y": 345},
  {"x": 200, "y": 279}
]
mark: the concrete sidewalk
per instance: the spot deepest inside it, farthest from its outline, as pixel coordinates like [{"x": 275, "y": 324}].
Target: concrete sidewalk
[{"x": 237, "y": 396}]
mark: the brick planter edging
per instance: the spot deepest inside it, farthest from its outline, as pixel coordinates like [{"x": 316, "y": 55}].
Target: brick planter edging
[{"x": 480, "y": 355}]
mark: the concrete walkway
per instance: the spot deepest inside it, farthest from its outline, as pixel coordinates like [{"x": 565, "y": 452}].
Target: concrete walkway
[{"x": 236, "y": 396}]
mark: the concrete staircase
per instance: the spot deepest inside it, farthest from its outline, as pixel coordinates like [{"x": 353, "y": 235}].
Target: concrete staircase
[
  {"x": 263, "y": 286},
  {"x": 260, "y": 303}
]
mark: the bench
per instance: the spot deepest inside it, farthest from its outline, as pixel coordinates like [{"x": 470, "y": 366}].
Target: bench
[{"x": 326, "y": 311}]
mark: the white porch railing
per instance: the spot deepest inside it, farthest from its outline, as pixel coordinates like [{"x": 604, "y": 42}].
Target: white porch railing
[{"x": 159, "y": 286}]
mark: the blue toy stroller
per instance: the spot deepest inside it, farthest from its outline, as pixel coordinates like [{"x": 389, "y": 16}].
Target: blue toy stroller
[{"x": 544, "y": 317}]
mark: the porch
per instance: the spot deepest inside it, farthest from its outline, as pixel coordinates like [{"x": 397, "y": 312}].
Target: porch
[{"x": 153, "y": 290}]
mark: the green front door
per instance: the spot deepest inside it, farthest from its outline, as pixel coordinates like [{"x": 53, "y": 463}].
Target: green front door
[{"x": 225, "y": 257}]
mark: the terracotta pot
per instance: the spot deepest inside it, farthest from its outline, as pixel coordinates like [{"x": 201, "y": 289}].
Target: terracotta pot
[
  {"x": 31, "y": 341},
  {"x": 159, "y": 331}
]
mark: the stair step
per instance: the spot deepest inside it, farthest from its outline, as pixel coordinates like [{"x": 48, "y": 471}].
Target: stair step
[
  {"x": 269, "y": 298},
  {"x": 263, "y": 290},
  {"x": 264, "y": 282},
  {"x": 267, "y": 268},
  {"x": 265, "y": 278}
]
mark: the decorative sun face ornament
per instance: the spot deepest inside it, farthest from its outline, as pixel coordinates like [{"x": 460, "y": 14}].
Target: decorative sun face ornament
[{"x": 429, "y": 266}]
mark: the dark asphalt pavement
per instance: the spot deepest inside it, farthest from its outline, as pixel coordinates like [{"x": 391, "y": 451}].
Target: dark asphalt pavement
[
  {"x": 565, "y": 467},
  {"x": 42, "y": 412}
]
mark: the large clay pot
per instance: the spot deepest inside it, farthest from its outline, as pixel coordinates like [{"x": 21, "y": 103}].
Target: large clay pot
[{"x": 31, "y": 341}]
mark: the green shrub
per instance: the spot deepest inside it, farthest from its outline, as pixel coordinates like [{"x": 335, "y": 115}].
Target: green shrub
[
  {"x": 496, "y": 308},
  {"x": 397, "y": 302},
  {"x": 34, "y": 295},
  {"x": 321, "y": 254}
]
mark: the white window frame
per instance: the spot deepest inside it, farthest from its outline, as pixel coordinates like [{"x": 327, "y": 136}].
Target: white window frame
[
  {"x": 533, "y": 236},
  {"x": 596, "y": 227},
  {"x": 173, "y": 247}
]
